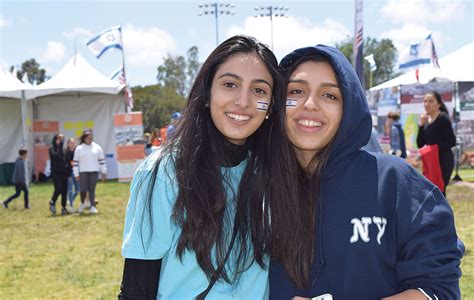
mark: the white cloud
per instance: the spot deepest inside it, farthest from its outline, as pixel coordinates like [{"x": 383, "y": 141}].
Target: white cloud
[
  {"x": 78, "y": 32},
  {"x": 55, "y": 52},
  {"x": 3, "y": 21},
  {"x": 292, "y": 32},
  {"x": 422, "y": 11},
  {"x": 146, "y": 46}
]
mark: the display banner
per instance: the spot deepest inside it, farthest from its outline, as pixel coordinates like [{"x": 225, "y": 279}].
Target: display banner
[
  {"x": 466, "y": 100},
  {"x": 43, "y": 133},
  {"x": 412, "y": 96},
  {"x": 129, "y": 144},
  {"x": 388, "y": 100}
]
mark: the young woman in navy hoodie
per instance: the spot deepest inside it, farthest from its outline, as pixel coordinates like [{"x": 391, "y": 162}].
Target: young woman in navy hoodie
[{"x": 369, "y": 226}]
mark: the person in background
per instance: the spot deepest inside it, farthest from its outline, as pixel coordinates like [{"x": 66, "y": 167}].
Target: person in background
[
  {"x": 368, "y": 225},
  {"x": 155, "y": 138},
  {"x": 72, "y": 184},
  {"x": 60, "y": 171},
  {"x": 397, "y": 135},
  {"x": 88, "y": 161},
  {"x": 435, "y": 129},
  {"x": 147, "y": 143},
  {"x": 373, "y": 145},
  {"x": 172, "y": 126},
  {"x": 19, "y": 179}
]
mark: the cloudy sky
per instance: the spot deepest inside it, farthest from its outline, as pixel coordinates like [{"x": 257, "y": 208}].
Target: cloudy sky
[{"x": 51, "y": 31}]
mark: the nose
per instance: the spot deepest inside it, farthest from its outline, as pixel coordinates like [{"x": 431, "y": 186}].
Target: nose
[
  {"x": 311, "y": 103},
  {"x": 242, "y": 99}
]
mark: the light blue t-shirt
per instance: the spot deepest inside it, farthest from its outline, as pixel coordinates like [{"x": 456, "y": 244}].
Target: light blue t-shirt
[{"x": 180, "y": 279}]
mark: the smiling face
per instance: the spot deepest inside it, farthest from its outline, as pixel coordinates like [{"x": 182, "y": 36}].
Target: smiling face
[
  {"x": 314, "y": 108},
  {"x": 240, "y": 95}
]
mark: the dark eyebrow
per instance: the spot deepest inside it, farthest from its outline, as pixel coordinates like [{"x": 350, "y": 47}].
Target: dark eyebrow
[
  {"x": 240, "y": 78},
  {"x": 297, "y": 81},
  {"x": 329, "y": 84},
  {"x": 263, "y": 81},
  {"x": 231, "y": 75},
  {"x": 322, "y": 84}
]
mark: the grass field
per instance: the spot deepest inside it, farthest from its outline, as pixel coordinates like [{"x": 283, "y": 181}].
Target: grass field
[{"x": 78, "y": 257}]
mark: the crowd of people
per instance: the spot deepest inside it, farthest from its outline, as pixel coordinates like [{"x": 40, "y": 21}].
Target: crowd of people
[
  {"x": 74, "y": 170},
  {"x": 264, "y": 192}
]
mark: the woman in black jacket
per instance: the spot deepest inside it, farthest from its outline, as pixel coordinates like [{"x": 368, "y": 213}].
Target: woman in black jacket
[
  {"x": 60, "y": 171},
  {"x": 436, "y": 129}
]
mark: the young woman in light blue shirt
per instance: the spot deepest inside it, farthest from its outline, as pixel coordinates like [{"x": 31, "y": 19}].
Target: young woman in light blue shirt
[{"x": 198, "y": 219}]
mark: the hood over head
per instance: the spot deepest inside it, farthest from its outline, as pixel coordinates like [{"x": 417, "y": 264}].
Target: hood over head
[{"x": 356, "y": 123}]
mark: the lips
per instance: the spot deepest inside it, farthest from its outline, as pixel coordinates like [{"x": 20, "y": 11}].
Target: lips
[
  {"x": 308, "y": 125},
  {"x": 238, "y": 117}
]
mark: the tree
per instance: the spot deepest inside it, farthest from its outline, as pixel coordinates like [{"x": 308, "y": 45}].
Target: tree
[
  {"x": 179, "y": 72},
  {"x": 385, "y": 55},
  {"x": 157, "y": 103},
  {"x": 33, "y": 71}
]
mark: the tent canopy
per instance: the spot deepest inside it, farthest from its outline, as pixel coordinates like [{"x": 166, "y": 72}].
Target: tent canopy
[
  {"x": 76, "y": 76},
  {"x": 456, "y": 66},
  {"x": 10, "y": 86}
]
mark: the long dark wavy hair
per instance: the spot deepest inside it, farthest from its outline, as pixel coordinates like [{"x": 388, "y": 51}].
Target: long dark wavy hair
[
  {"x": 304, "y": 227},
  {"x": 198, "y": 151}
]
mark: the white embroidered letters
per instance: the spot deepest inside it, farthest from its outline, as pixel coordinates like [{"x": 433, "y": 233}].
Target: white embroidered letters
[{"x": 361, "y": 228}]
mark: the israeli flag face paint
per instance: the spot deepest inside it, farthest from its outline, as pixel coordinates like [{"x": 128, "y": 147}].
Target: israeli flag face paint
[
  {"x": 291, "y": 103},
  {"x": 262, "y": 105}
]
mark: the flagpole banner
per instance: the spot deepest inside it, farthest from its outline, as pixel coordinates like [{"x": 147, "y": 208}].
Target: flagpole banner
[
  {"x": 359, "y": 41},
  {"x": 466, "y": 100},
  {"x": 43, "y": 133},
  {"x": 389, "y": 98},
  {"x": 106, "y": 40},
  {"x": 423, "y": 53},
  {"x": 412, "y": 96},
  {"x": 129, "y": 144}
]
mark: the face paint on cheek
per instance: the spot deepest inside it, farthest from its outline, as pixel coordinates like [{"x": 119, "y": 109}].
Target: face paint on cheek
[
  {"x": 291, "y": 103},
  {"x": 262, "y": 105}
]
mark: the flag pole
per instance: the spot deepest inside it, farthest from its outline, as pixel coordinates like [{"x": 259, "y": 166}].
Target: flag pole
[{"x": 127, "y": 106}]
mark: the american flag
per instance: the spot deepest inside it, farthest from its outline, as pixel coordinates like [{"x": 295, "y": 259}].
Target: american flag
[
  {"x": 359, "y": 42},
  {"x": 434, "y": 55}
]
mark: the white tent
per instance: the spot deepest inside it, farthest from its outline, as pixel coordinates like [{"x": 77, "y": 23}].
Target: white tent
[
  {"x": 76, "y": 76},
  {"x": 13, "y": 133},
  {"x": 456, "y": 66},
  {"x": 78, "y": 97}
]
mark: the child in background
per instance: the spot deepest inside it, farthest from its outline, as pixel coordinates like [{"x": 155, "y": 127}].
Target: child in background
[{"x": 19, "y": 179}]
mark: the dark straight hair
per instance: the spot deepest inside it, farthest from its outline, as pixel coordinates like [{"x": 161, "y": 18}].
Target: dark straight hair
[
  {"x": 197, "y": 151},
  {"x": 297, "y": 263}
]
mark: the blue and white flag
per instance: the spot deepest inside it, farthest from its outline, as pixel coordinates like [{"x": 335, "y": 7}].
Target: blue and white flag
[
  {"x": 423, "y": 53},
  {"x": 108, "y": 39},
  {"x": 370, "y": 59},
  {"x": 262, "y": 105},
  {"x": 118, "y": 75}
]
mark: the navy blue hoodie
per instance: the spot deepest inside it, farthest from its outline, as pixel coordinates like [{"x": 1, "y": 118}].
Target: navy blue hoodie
[{"x": 382, "y": 227}]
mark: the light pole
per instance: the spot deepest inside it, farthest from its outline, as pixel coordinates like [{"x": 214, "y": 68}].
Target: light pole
[
  {"x": 216, "y": 9},
  {"x": 271, "y": 11}
]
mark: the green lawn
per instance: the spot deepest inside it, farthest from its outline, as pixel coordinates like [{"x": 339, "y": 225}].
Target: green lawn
[{"x": 78, "y": 257}]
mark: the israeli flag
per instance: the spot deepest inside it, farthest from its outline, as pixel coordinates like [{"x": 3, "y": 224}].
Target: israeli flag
[
  {"x": 418, "y": 54},
  {"x": 262, "y": 105},
  {"x": 291, "y": 102},
  {"x": 108, "y": 39}
]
